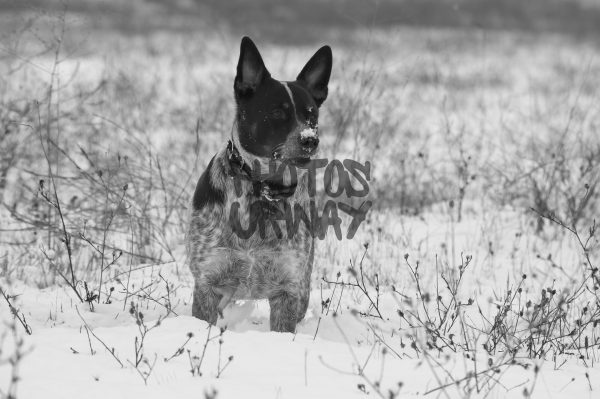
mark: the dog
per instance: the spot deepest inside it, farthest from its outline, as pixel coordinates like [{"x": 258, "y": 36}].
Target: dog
[{"x": 275, "y": 121}]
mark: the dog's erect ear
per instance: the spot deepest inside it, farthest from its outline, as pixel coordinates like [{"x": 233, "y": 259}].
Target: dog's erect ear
[
  {"x": 315, "y": 74},
  {"x": 250, "y": 69}
]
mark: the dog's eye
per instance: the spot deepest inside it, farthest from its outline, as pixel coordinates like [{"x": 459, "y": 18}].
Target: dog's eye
[{"x": 278, "y": 113}]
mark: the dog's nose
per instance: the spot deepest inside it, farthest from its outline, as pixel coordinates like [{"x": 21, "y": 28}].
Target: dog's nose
[
  {"x": 309, "y": 140},
  {"x": 309, "y": 143}
]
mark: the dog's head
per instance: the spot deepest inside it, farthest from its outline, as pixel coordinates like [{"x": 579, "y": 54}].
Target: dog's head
[{"x": 278, "y": 119}]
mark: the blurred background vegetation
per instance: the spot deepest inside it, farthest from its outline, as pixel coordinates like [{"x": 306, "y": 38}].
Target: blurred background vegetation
[
  {"x": 294, "y": 22},
  {"x": 466, "y": 106}
]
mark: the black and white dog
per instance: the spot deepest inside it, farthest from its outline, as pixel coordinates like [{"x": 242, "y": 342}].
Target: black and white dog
[{"x": 275, "y": 121}]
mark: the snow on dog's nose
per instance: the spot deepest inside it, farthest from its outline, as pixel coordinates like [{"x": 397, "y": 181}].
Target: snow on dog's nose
[{"x": 309, "y": 140}]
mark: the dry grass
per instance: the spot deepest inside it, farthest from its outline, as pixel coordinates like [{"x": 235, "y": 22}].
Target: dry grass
[{"x": 102, "y": 140}]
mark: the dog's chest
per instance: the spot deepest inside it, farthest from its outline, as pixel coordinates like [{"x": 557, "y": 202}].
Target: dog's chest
[
  {"x": 251, "y": 266},
  {"x": 256, "y": 236}
]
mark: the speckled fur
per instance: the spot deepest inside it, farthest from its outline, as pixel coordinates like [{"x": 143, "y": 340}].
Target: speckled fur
[{"x": 226, "y": 268}]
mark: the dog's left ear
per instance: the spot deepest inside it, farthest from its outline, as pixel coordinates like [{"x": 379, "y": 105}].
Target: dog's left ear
[
  {"x": 251, "y": 70},
  {"x": 315, "y": 74}
]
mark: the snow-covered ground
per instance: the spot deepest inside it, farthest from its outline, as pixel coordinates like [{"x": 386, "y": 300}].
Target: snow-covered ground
[
  {"x": 61, "y": 363},
  {"x": 331, "y": 356}
]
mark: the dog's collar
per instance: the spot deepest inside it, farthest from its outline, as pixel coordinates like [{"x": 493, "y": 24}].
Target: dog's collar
[
  {"x": 236, "y": 162},
  {"x": 269, "y": 190}
]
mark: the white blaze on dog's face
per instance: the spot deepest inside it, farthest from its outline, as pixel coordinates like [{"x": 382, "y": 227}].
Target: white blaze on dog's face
[{"x": 278, "y": 120}]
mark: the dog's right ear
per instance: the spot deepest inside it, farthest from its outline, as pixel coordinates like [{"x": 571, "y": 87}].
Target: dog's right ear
[
  {"x": 251, "y": 70},
  {"x": 315, "y": 74}
]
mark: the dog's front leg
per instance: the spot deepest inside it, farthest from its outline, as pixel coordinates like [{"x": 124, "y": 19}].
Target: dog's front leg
[
  {"x": 206, "y": 303},
  {"x": 304, "y": 287},
  {"x": 284, "y": 312}
]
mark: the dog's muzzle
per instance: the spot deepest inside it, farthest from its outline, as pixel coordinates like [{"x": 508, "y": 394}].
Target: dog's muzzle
[{"x": 309, "y": 140}]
